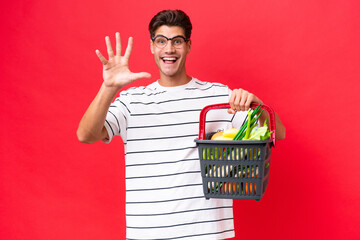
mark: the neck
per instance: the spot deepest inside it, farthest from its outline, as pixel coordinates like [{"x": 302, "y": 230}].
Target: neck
[{"x": 173, "y": 81}]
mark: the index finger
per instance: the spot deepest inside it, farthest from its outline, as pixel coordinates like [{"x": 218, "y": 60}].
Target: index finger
[
  {"x": 232, "y": 99},
  {"x": 129, "y": 48}
]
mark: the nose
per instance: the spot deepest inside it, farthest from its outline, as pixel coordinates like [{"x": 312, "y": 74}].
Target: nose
[{"x": 169, "y": 48}]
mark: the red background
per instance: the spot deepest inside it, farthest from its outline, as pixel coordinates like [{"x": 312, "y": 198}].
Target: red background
[{"x": 300, "y": 57}]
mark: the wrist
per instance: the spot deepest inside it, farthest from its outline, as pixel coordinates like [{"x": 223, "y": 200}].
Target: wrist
[
  {"x": 111, "y": 88},
  {"x": 109, "y": 91}
]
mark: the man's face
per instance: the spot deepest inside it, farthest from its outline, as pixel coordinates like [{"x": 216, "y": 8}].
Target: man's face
[{"x": 170, "y": 59}]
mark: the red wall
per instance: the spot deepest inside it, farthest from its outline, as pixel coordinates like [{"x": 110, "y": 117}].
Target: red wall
[{"x": 300, "y": 57}]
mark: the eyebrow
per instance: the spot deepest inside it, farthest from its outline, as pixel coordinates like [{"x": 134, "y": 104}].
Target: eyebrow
[{"x": 160, "y": 35}]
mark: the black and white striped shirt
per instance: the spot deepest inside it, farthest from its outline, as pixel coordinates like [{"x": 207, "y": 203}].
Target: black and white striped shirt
[{"x": 164, "y": 194}]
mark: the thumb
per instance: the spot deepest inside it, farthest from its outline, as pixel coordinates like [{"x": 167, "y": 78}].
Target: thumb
[
  {"x": 231, "y": 111},
  {"x": 136, "y": 76}
]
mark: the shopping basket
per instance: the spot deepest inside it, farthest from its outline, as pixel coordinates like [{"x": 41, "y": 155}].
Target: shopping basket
[{"x": 234, "y": 169}]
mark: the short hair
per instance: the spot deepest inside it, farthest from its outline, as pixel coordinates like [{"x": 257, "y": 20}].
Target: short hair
[{"x": 171, "y": 18}]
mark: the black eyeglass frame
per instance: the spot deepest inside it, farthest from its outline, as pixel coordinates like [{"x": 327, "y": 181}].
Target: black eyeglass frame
[{"x": 169, "y": 39}]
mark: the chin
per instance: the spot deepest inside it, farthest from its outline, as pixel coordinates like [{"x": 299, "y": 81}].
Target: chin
[{"x": 169, "y": 73}]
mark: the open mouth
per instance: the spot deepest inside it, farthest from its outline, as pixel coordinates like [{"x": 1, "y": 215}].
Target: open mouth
[{"x": 169, "y": 60}]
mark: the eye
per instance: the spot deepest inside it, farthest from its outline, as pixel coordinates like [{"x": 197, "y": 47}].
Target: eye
[
  {"x": 160, "y": 40},
  {"x": 178, "y": 41}
]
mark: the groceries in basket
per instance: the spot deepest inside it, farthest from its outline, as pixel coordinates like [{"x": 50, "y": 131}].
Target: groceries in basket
[
  {"x": 248, "y": 131},
  {"x": 236, "y": 169}
]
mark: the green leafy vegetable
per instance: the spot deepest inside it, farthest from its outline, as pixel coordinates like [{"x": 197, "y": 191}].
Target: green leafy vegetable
[
  {"x": 261, "y": 133},
  {"x": 250, "y": 119},
  {"x": 248, "y": 130}
]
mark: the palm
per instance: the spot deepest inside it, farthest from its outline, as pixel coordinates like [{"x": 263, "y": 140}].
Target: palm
[{"x": 116, "y": 71}]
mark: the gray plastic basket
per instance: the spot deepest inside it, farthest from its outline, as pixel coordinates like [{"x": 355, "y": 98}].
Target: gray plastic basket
[{"x": 234, "y": 169}]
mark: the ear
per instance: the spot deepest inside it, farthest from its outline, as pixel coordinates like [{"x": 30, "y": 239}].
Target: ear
[
  {"x": 188, "y": 46},
  {"x": 152, "y": 46}
]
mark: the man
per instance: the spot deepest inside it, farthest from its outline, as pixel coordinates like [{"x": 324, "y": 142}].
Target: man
[{"x": 158, "y": 124}]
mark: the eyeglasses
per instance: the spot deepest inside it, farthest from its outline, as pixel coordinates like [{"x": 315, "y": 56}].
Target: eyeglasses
[{"x": 161, "y": 41}]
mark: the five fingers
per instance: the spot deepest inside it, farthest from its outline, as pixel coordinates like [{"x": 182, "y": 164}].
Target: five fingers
[{"x": 110, "y": 51}]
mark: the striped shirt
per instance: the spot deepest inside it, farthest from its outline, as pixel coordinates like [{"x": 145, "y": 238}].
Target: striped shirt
[{"x": 164, "y": 194}]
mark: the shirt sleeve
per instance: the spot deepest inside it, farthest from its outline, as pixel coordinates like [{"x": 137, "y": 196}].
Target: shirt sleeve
[{"x": 116, "y": 119}]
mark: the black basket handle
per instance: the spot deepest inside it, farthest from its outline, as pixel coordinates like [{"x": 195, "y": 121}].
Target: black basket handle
[{"x": 202, "y": 134}]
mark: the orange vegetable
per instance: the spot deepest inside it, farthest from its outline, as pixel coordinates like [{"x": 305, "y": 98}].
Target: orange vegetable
[{"x": 249, "y": 188}]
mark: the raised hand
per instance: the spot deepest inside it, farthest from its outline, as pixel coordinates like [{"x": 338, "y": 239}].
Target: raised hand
[{"x": 116, "y": 71}]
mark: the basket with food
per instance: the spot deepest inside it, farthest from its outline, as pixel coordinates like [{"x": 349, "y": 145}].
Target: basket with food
[{"x": 235, "y": 163}]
